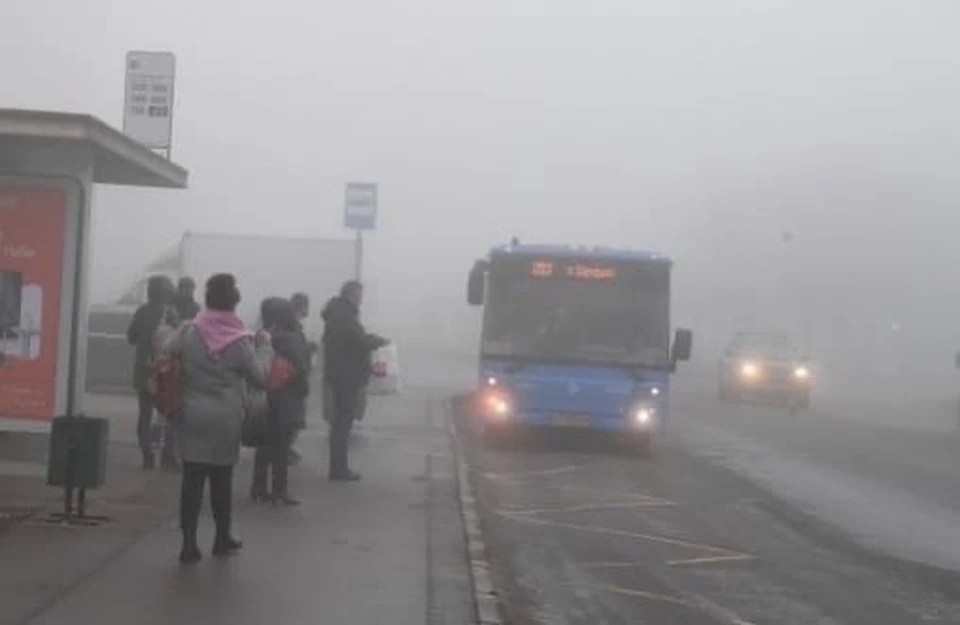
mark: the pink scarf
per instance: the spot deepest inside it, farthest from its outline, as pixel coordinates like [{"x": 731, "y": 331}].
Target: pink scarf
[{"x": 220, "y": 330}]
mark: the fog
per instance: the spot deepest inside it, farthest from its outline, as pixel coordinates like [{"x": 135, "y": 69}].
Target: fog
[{"x": 796, "y": 159}]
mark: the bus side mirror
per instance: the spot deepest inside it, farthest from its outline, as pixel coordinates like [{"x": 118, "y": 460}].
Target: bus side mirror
[
  {"x": 475, "y": 285},
  {"x": 682, "y": 345},
  {"x": 956, "y": 360}
]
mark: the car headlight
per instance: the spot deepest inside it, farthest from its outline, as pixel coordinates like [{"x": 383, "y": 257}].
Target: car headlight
[
  {"x": 801, "y": 373},
  {"x": 749, "y": 370}
]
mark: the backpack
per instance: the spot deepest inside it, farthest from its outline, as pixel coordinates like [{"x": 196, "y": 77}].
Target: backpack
[
  {"x": 280, "y": 373},
  {"x": 165, "y": 384}
]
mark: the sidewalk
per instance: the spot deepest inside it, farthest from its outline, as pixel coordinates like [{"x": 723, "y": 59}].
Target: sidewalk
[
  {"x": 352, "y": 553},
  {"x": 41, "y": 561}
]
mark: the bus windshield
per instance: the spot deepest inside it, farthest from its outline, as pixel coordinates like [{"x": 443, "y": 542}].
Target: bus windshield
[{"x": 616, "y": 315}]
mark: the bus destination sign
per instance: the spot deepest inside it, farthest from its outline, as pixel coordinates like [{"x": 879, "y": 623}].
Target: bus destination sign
[{"x": 574, "y": 270}]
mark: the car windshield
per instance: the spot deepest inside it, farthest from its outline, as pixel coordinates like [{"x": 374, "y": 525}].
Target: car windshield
[
  {"x": 621, "y": 321},
  {"x": 762, "y": 346}
]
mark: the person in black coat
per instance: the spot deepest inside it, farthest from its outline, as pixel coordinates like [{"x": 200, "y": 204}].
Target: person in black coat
[
  {"x": 301, "y": 308},
  {"x": 287, "y": 405},
  {"x": 140, "y": 334},
  {"x": 185, "y": 300},
  {"x": 347, "y": 348}
]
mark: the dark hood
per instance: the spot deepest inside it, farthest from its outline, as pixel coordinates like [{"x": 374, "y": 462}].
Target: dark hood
[
  {"x": 185, "y": 306},
  {"x": 338, "y": 308}
]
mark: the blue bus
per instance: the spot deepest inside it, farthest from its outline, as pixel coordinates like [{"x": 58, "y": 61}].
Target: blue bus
[{"x": 575, "y": 337}]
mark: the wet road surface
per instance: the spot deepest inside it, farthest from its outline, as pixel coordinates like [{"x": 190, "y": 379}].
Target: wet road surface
[
  {"x": 701, "y": 531},
  {"x": 885, "y": 471}
]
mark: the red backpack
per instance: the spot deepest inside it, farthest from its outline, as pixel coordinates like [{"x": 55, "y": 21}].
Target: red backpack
[
  {"x": 280, "y": 373},
  {"x": 165, "y": 385}
]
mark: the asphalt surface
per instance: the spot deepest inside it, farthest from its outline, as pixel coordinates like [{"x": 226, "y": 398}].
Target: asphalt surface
[{"x": 743, "y": 515}]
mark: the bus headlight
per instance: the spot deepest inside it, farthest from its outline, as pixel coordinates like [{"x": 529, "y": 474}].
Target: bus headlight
[
  {"x": 497, "y": 405},
  {"x": 801, "y": 373},
  {"x": 643, "y": 416}
]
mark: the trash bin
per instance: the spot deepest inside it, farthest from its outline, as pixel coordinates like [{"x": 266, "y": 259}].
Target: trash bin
[{"x": 78, "y": 445}]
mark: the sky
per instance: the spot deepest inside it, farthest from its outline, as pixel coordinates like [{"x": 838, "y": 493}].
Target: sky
[{"x": 705, "y": 129}]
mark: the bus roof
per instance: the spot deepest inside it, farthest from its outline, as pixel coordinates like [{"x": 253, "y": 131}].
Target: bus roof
[{"x": 577, "y": 251}]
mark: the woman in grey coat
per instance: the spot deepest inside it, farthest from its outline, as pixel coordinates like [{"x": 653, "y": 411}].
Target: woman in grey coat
[{"x": 219, "y": 365}]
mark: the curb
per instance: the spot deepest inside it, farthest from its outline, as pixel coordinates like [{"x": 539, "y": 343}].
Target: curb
[{"x": 484, "y": 594}]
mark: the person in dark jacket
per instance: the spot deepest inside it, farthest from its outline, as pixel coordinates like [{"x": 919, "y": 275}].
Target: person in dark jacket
[
  {"x": 185, "y": 300},
  {"x": 287, "y": 405},
  {"x": 301, "y": 305},
  {"x": 140, "y": 334},
  {"x": 346, "y": 352}
]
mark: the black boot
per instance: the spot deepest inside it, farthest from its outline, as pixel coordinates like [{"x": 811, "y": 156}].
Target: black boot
[
  {"x": 226, "y": 544},
  {"x": 190, "y": 552}
]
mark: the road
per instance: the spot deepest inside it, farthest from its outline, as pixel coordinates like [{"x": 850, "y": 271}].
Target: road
[{"x": 743, "y": 515}]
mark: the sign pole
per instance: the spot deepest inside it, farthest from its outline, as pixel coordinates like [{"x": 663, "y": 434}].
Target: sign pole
[
  {"x": 360, "y": 213},
  {"x": 358, "y": 256}
]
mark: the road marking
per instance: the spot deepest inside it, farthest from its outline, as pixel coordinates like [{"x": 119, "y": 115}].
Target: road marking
[
  {"x": 651, "y": 502},
  {"x": 685, "y": 562},
  {"x": 606, "y": 492},
  {"x": 711, "y": 560},
  {"x": 623, "y": 533},
  {"x": 611, "y": 565},
  {"x": 519, "y": 475},
  {"x": 613, "y": 494},
  {"x": 643, "y": 594},
  {"x": 695, "y": 603}
]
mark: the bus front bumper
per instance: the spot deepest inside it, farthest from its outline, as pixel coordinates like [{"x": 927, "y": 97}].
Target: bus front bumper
[{"x": 646, "y": 424}]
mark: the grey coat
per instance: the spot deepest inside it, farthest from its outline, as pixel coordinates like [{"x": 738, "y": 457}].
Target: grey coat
[{"x": 214, "y": 397}]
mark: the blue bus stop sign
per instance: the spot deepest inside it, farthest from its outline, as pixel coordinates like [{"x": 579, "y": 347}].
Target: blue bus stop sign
[{"x": 360, "y": 206}]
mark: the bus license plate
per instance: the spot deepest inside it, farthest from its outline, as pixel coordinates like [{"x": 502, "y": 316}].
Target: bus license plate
[{"x": 571, "y": 421}]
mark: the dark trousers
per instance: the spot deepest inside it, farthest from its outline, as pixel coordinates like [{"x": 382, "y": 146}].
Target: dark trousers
[
  {"x": 343, "y": 404},
  {"x": 144, "y": 421},
  {"x": 145, "y": 430},
  {"x": 273, "y": 459},
  {"x": 195, "y": 476}
]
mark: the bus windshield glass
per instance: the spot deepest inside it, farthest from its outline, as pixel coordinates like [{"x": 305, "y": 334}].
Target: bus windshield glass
[{"x": 579, "y": 311}]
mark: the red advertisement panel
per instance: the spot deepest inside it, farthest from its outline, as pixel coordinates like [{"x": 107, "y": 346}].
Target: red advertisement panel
[{"x": 32, "y": 237}]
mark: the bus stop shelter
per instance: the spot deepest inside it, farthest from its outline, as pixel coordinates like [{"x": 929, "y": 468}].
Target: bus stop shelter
[{"x": 49, "y": 162}]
